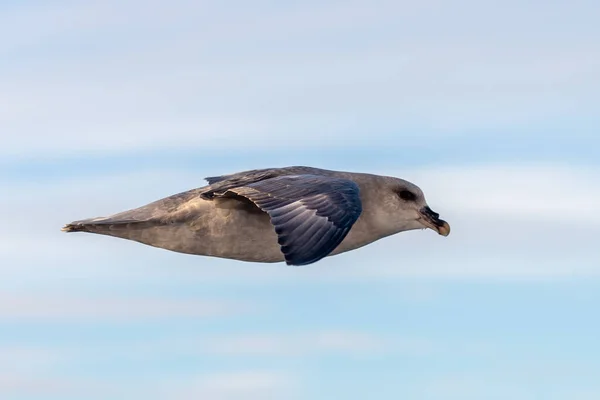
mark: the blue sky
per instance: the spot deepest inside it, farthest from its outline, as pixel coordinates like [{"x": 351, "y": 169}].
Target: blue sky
[{"x": 490, "y": 108}]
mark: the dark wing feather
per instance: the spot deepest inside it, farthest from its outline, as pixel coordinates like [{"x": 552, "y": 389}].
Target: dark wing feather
[
  {"x": 225, "y": 182},
  {"x": 220, "y": 184},
  {"x": 312, "y": 214}
]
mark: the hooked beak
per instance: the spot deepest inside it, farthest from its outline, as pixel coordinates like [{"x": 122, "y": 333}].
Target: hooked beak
[{"x": 432, "y": 220}]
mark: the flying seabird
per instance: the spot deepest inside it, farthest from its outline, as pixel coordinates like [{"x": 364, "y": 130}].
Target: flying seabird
[{"x": 294, "y": 214}]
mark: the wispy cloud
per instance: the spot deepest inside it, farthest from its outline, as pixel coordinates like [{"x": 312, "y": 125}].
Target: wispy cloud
[
  {"x": 299, "y": 344},
  {"x": 178, "y": 77},
  {"x": 41, "y": 361},
  {"x": 472, "y": 388},
  {"x": 254, "y": 385},
  {"x": 22, "y": 307},
  {"x": 30, "y": 369},
  {"x": 534, "y": 192},
  {"x": 247, "y": 384},
  {"x": 284, "y": 344}
]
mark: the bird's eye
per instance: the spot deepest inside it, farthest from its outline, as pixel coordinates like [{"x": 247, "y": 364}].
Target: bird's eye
[{"x": 407, "y": 195}]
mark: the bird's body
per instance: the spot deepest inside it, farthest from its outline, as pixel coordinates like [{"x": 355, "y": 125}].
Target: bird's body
[{"x": 294, "y": 214}]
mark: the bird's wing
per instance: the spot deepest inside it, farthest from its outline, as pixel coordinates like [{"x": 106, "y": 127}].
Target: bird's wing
[
  {"x": 224, "y": 182},
  {"x": 311, "y": 214},
  {"x": 240, "y": 178}
]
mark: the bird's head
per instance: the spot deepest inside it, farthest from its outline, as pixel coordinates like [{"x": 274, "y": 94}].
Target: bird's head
[{"x": 405, "y": 208}]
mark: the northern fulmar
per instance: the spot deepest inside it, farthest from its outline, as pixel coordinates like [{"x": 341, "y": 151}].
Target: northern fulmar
[{"x": 294, "y": 214}]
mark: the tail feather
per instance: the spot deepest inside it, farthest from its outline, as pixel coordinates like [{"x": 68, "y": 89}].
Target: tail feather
[
  {"x": 73, "y": 228},
  {"x": 165, "y": 211},
  {"x": 94, "y": 225}
]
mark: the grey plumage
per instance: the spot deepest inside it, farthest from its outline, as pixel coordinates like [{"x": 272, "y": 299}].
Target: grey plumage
[{"x": 295, "y": 214}]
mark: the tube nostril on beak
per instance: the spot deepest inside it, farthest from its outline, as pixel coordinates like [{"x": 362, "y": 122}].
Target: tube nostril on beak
[{"x": 431, "y": 213}]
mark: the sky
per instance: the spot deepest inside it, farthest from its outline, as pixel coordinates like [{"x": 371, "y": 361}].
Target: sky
[{"x": 490, "y": 107}]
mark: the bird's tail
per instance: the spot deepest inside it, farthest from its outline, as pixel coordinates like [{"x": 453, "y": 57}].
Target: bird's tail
[
  {"x": 74, "y": 228},
  {"x": 103, "y": 224}
]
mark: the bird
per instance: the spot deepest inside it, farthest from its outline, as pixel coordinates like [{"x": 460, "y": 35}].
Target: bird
[{"x": 297, "y": 215}]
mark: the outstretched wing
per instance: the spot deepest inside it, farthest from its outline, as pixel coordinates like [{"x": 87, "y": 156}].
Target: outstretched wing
[
  {"x": 219, "y": 184},
  {"x": 240, "y": 178},
  {"x": 312, "y": 214}
]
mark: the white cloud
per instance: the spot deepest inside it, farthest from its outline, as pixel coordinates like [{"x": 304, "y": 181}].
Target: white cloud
[
  {"x": 19, "y": 361},
  {"x": 525, "y": 379},
  {"x": 18, "y": 385},
  {"x": 556, "y": 193},
  {"x": 304, "y": 344},
  {"x": 41, "y": 361},
  {"x": 467, "y": 387},
  {"x": 31, "y": 370},
  {"x": 247, "y": 384},
  {"x": 308, "y": 343},
  {"x": 113, "y": 77},
  {"x": 253, "y": 385},
  {"x": 26, "y": 361},
  {"x": 23, "y": 307}
]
